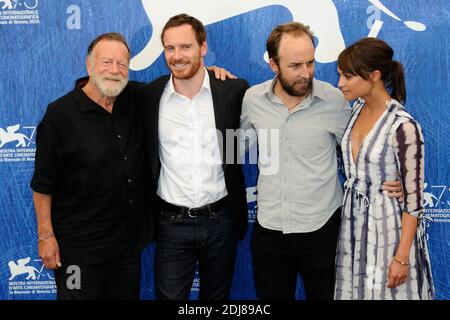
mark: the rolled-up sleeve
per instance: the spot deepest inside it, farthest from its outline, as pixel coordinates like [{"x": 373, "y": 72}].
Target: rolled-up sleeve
[
  {"x": 45, "y": 177},
  {"x": 409, "y": 148}
]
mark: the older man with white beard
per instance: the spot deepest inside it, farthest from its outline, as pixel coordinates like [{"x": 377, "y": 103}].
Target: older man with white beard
[{"x": 90, "y": 181}]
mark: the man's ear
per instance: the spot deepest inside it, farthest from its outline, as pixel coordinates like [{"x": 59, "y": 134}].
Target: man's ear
[
  {"x": 274, "y": 66},
  {"x": 203, "y": 49}
]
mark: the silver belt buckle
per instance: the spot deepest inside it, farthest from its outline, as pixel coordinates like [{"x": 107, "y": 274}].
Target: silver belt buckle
[{"x": 189, "y": 213}]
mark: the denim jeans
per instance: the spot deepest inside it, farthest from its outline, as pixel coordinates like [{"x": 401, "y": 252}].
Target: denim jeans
[{"x": 182, "y": 242}]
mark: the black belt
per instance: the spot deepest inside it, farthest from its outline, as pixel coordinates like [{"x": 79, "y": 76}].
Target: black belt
[{"x": 194, "y": 212}]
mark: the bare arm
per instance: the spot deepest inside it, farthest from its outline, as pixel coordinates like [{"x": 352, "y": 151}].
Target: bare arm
[
  {"x": 398, "y": 272},
  {"x": 409, "y": 229},
  {"x": 47, "y": 245}
]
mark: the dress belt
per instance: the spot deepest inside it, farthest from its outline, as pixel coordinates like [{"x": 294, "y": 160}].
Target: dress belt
[{"x": 194, "y": 212}]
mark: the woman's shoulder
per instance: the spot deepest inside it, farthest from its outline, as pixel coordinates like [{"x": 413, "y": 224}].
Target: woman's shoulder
[
  {"x": 401, "y": 114},
  {"x": 404, "y": 123},
  {"x": 407, "y": 126}
]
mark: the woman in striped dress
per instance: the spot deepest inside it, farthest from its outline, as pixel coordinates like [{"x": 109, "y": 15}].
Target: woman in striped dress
[{"x": 382, "y": 252}]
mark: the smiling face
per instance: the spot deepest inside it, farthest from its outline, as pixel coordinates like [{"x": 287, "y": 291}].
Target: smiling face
[
  {"x": 295, "y": 66},
  {"x": 354, "y": 86},
  {"x": 107, "y": 67},
  {"x": 184, "y": 55}
]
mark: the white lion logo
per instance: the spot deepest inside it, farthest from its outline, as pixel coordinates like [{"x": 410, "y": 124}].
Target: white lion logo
[
  {"x": 429, "y": 200},
  {"x": 320, "y": 15},
  {"x": 7, "y": 4},
  {"x": 21, "y": 268},
  {"x": 252, "y": 194},
  {"x": 11, "y": 135}
]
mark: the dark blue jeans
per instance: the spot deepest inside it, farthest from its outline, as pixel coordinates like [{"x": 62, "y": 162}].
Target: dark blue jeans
[{"x": 182, "y": 243}]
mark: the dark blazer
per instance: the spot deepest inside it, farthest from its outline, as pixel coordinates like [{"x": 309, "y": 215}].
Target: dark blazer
[{"x": 227, "y": 99}]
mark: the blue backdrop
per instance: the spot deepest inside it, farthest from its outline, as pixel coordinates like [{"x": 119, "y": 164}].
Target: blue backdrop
[{"x": 43, "y": 47}]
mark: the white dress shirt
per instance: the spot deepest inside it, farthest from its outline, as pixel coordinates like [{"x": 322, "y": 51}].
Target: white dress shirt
[{"x": 191, "y": 167}]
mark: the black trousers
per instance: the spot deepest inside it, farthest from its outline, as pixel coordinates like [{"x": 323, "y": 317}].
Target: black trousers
[
  {"x": 278, "y": 258},
  {"x": 110, "y": 274}
]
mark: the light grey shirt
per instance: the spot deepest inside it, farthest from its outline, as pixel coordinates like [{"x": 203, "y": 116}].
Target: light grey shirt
[{"x": 298, "y": 187}]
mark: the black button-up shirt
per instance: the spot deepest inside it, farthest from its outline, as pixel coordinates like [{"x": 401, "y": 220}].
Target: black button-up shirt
[{"x": 92, "y": 163}]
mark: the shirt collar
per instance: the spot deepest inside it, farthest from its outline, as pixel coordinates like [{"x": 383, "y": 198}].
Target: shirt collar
[
  {"x": 85, "y": 103},
  {"x": 205, "y": 85},
  {"x": 317, "y": 91}
]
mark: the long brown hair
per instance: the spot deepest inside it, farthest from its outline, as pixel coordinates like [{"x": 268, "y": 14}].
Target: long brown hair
[{"x": 370, "y": 54}]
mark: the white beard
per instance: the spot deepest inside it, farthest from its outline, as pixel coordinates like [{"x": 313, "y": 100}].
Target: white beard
[{"x": 109, "y": 88}]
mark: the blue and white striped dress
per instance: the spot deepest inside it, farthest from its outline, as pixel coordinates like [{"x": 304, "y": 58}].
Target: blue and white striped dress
[{"x": 371, "y": 221}]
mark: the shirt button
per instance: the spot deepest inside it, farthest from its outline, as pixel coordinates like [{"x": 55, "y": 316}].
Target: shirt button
[{"x": 119, "y": 136}]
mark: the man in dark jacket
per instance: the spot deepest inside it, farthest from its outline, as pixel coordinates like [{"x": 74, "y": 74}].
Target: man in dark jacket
[{"x": 188, "y": 116}]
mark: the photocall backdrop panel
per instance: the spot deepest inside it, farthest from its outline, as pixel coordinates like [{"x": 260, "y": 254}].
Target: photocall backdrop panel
[{"x": 43, "y": 47}]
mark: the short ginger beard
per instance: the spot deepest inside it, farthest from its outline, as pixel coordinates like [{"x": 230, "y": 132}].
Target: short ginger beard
[
  {"x": 290, "y": 89},
  {"x": 192, "y": 70}
]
